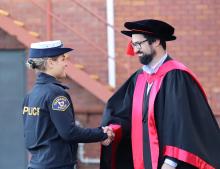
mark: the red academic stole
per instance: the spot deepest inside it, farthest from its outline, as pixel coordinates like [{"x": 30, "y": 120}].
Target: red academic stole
[{"x": 137, "y": 130}]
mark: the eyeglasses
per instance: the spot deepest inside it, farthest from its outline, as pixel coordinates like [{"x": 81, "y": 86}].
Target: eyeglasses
[{"x": 138, "y": 44}]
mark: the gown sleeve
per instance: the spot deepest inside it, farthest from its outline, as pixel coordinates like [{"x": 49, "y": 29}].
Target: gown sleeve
[
  {"x": 118, "y": 114},
  {"x": 187, "y": 128}
]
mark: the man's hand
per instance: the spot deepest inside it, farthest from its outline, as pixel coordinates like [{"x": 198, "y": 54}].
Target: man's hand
[
  {"x": 110, "y": 134},
  {"x": 167, "y": 166}
]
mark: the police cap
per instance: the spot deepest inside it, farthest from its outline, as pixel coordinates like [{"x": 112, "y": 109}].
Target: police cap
[{"x": 47, "y": 49}]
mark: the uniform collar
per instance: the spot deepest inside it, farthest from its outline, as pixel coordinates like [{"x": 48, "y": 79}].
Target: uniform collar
[{"x": 43, "y": 78}]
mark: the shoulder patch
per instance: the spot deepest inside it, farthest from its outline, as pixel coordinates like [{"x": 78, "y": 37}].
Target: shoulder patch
[{"x": 60, "y": 103}]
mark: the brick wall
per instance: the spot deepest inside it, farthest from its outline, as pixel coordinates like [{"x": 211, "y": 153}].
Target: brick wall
[
  {"x": 197, "y": 29},
  {"x": 75, "y": 17},
  {"x": 196, "y": 24},
  {"x": 8, "y": 42}
]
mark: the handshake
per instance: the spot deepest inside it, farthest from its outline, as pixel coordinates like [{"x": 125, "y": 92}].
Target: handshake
[{"x": 110, "y": 133}]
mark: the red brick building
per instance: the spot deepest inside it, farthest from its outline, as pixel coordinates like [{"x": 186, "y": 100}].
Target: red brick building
[{"x": 82, "y": 26}]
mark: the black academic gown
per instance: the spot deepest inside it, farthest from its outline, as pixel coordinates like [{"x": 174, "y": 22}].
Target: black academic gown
[{"x": 184, "y": 123}]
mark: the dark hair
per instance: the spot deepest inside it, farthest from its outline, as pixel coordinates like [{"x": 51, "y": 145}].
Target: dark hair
[{"x": 152, "y": 39}]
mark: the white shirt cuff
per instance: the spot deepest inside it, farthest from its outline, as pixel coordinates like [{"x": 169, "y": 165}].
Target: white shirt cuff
[{"x": 170, "y": 162}]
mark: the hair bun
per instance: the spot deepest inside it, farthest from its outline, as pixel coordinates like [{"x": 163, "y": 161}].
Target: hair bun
[{"x": 32, "y": 64}]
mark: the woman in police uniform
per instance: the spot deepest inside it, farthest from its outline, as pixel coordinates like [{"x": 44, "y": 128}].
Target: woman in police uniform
[{"x": 51, "y": 135}]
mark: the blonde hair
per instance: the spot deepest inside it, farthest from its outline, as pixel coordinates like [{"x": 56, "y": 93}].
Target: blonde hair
[{"x": 38, "y": 64}]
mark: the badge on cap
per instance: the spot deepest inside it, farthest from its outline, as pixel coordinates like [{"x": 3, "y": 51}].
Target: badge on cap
[{"x": 60, "y": 103}]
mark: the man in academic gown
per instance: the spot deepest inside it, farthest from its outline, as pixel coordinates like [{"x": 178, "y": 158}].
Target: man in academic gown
[{"x": 160, "y": 115}]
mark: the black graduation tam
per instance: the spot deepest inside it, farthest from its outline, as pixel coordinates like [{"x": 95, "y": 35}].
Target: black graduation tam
[
  {"x": 47, "y": 49},
  {"x": 155, "y": 28}
]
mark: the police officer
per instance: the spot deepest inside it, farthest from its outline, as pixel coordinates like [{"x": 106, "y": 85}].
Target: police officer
[{"x": 51, "y": 135}]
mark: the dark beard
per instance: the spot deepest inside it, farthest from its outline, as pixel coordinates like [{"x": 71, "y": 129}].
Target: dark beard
[{"x": 146, "y": 59}]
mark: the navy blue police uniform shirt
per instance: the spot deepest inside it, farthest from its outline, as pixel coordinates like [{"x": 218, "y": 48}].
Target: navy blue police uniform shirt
[{"x": 50, "y": 132}]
